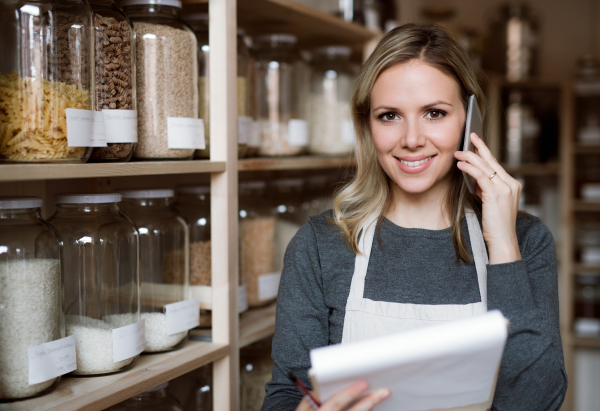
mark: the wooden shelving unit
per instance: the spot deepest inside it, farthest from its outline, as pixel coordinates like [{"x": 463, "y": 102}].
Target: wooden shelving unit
[{"x": 294, "y": 163}]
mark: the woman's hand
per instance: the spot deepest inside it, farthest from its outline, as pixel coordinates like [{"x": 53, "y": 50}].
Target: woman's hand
[
  {"x": 499, "y": 194},
  {"x": 347, "y": 396}
]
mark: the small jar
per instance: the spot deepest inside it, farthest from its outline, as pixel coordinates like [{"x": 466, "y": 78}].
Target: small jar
[
  {"x": 45, "y": 69},
  {"x": 194, "y": 390},
  {"x": 286, "y": 199},
  {"x": 100, "y": 249},
  {"x": 333, "y": 75},
  {"x": 587, "y": 305},
  {"x": 257, "y": 242},
  {"x": 30, "y": 292},
  {"x": 114, "y": 60},
  {"x": 256, "y": 367},
  {"x": 166, "y": 78},
  {"x": 155, "y": 399},
  {"x": 282, "y": 129},
  {"x": 194, "y": 203},
  {"x": 164, "y": 261}
]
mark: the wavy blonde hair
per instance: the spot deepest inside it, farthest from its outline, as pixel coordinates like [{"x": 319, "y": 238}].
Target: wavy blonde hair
[{"x": 368, "y": 193}]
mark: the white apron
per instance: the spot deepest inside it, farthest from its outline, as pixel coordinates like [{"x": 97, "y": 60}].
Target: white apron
[{"x": 366, "y": 318}]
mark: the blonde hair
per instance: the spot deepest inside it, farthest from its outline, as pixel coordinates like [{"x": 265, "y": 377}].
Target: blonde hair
[{"x": 368, "y": 193}]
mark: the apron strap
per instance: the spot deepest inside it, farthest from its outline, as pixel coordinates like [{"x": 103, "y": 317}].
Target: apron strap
[
  {"x": 479, "y": 253},
  {"x": 361, "y": 264}
]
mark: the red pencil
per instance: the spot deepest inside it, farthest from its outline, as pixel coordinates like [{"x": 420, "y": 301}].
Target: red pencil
[{"x": 304, "y": 391}]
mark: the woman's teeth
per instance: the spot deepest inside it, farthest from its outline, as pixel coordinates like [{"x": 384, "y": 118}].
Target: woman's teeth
[{"x": 416, "y": 163}]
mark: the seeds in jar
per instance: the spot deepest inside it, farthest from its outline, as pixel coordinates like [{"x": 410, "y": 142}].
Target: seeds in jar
[{"x": 257, "y": 241}]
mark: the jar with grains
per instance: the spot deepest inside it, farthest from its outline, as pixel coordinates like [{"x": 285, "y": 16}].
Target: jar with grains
[
  {"x": 114, "y": 60},
  {"x": 45, "y": 69},
  {"x": 166, "y": 78},
  {"x": 587, "y": 305},
  {"x": 257, "y": 243},
  {"x": 194, "y": 390},
  {"x": 30, "y": 292},
  {"x": 194, "y": 203},
  {"x": 256, "y": 366},
  {"x": 333, "y": 75},
  {"x": 286, "y": 200},
  {"x": 155, "y": 399},
  {"x": 164, "y": 263},
  {"x": 100, "y": 249},
  {"x": 283, "y": 130},
  {"x": 199, "y": 23}
]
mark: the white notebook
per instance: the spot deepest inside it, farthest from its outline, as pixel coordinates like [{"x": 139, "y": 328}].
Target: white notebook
[{"x": 450, "y": 365}]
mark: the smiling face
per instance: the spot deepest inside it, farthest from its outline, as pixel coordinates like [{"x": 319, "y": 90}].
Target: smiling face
[{"x": 417, "y": 119}]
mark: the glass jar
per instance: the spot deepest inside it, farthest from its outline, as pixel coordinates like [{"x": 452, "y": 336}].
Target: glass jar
[
  {"x": 587, "y": 305},
  {"x": 101, "y": 265},
  {"x": 45, "y": 69},
  {"x": 194, "y": 389},
  {"x": 155, "y": 399},
  {"x": 194, "y": 203},
  {"x": 286, "y": 200},
  {"x": 30, "y": 292},
  {"x": 256, "y": 366},
  {"x": 114, "y": 60},
  {"x": 331, "y": 128},
  {"x": 257, "y": 242},
  {"x": 164, "y": 262},
  {"x": 167, "y": 93},
  {"x": 315, "y": 198},
  {"x": 199, "y": 24},
  {"x": 282, "y": 129}
]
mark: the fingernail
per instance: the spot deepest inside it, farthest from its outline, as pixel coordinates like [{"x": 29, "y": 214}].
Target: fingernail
[{"x": 384, "y": 393}]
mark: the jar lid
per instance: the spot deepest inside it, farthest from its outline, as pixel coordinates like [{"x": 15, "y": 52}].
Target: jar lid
[
  {"x": 587, "y": 279},
  {"x": 172, "y": 3},
  {"x": 87, "y": 198},
  {"x": 331, "y": 51},
  {"x": 195, "y": 17},
  {"x": 17, "y": 203},
  {"x": 253, "y": 185},
  {"x": 276, "y": 38},
  {"x": 194, "y": 189},
  {"x": 158, "y": 193}
]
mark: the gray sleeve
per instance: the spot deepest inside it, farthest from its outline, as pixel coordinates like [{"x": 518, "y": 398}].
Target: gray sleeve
[
  {"x": 532, "y": 373},
  {"x": 301, "y": 320}
]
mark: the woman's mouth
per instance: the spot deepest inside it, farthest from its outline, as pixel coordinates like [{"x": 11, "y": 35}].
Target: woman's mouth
[{"x": 415, "y": 166}]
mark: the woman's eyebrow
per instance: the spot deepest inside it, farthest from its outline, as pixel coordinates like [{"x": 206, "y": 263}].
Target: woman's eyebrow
[
  {"x": 437, "y": 103},
  {"x": 390, "y": 108}
]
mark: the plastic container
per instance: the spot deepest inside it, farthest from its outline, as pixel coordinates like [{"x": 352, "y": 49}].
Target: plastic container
[
  {"x": 194, "y": 203},
  {"x": 333, "y": 75},
  {"x": 257, "y": 243},
  {"x": 194, "y": 390},
  {"x": 31, "y": 304},
  {"x": 155, "y": 399},
  {"x": 164, "y": 261},
  {"x": 167, "y": 93},
  {"x": 256, "y": 368},
  {"x": 100, "y": 249},
  {"x": 283, "y": 132},
  {"x": 114, "y": 60},
  {"x": 46, "y": 68},
  {"x": 587, "y": 305}
]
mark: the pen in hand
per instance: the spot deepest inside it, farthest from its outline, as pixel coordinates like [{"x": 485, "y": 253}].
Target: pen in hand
[{"x": 304, "y": 391}]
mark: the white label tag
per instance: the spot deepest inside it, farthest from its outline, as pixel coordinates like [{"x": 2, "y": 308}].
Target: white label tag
[
  {"x": 98, "y": 138},
  {"x": 80, "y": 128},
  {"x": 242, "y": 299},
  {"x": 120, "y": 126},
  {"x": 185, "y": 133},
  {"x": 268, "y": 285},
  {"x": 347, "y": 130},
  {"x": 183, "y": 315},
  {"x": 297, "y": 132},
  {"x": 129, "y": 341},
  {"x": 244, "y": 129},
  {"x": 254, "y": 135},
  {"x": 51, "y": 359}
]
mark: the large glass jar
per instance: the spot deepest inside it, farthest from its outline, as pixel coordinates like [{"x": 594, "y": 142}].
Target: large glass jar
[
  {"x": 286, "y": 200},
  {"x": 155, "y": 399},
  {"x": 283, "y": 131},
  {"x": 194, "y": 389},
  {"x": 101, "y": 266},
  {"x": 587, "y": 305},
  {"x": 257, "y": 242},
  {"x": 114, "y": 60},
  {"x": 164, "y": 262},
  {"x": 194, "y": 203},
  {"x": 256, "y": 366},
  {"x": 45, "y": 69},
  {"x": 333, "y": 75},
  {"x": 166, "y": 80},
  {"x": 30, "y": 292}
]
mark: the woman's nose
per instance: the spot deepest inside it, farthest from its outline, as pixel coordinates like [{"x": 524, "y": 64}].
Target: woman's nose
[{"x": 413, "y": 137}]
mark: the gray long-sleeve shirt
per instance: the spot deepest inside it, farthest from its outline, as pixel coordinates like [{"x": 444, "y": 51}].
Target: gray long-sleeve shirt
[{"x": 419, "y": 266}]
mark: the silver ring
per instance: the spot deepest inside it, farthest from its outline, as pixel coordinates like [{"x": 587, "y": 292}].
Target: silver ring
[{"x": 493, "y": 175}]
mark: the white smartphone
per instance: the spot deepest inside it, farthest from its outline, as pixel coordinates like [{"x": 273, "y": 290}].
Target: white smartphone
[{"x": 474, "y": 124}]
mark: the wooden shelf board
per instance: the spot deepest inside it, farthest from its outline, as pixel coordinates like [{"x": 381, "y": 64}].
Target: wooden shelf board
[
  {"x": 313, "y": 27},
  {"x": 579, "y": 205},
  {"x": 21, "y": 172},
  {"x": 98, "y": 393},
  {"x": 257, "y": 324},
  {"x": 295, "y": 163},
  {"x": 548, "y": 169},
  {"x": 586, "y": 148},
  {"x": 582, "y": 268},
  {"x": 586, "y": 342}
]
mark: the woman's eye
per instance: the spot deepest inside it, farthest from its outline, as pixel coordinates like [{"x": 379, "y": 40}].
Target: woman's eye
[
  {"x": 388, "y": 117},
  {"x": 435, "y": 114}
]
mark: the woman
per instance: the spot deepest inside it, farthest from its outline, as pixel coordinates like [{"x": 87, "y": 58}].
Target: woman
[{"x": 426, "y": 260}]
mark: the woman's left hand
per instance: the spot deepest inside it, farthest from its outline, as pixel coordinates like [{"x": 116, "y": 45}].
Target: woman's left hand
[{"x": 499, "y": 194}]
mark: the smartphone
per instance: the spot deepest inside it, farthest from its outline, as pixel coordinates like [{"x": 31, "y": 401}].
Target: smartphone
[{"x": 474, "y": 124}]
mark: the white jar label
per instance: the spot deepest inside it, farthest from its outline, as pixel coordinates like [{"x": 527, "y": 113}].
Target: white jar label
[
  {"x": 298, "y": 132},
  {"x": 268, "y": 285},
  {"x": 185, "y": 133},
  {"x": 255, "y": 135},
  {"x": 347, "y": 131},
  {"x": 51, "y": 359},
  {"x": 242, "y": 299},
  {"x": 120, "y": 126},
  {"x": 183, "y": 315},
  {"x": 129, "y": 341},
  {"x": 244, "y": 129},
  {"x": 85, "y": 128}
]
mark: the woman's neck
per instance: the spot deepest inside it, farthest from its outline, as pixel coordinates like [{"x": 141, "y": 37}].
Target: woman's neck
[{"x": 424, "y": 210}]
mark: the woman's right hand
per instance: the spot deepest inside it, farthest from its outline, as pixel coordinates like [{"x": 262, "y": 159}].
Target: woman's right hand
[{"x": 347, "y": 396}]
